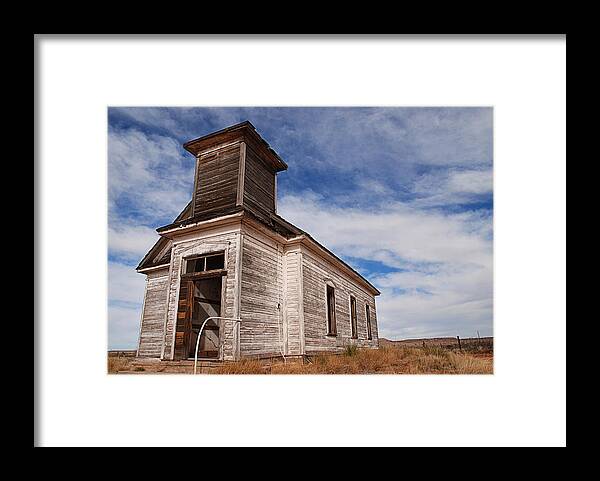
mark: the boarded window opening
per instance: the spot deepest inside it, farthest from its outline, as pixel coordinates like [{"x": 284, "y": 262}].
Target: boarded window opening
[
  {"x": 331, "y": 327},
  {"x": 368, "y": 315},
  {"x": 353, "y": 323}
]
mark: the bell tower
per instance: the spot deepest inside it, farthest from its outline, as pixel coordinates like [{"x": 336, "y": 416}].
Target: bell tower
[{"x": 235, "y": 168}]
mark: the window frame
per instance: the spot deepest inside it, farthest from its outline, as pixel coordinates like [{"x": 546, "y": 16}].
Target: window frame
[
  {"x": 204, "y": 257},
  {"x": 190, "y": 259},
  {"x": 330, "y": 314},
  {"x": 368, "y": 322},
  {"x": 353, "y": 318},
  {"x": 213, "y": 255}
]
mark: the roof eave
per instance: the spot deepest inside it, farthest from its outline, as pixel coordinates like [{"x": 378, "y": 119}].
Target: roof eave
[
  {"x": 306, "y": 240},
  {"x": 246, "y": 131},
  {"x": 171, "y": 230},
  {"x": 144, "y": 270}
]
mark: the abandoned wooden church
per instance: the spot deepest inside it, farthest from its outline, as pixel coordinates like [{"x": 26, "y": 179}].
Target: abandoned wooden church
[{"x": 231, "y": 269}]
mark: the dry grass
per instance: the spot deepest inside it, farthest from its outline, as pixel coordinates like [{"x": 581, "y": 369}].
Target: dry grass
[
  {"x": 118, "y": 364},
  {"x": 386, "y": 360}
]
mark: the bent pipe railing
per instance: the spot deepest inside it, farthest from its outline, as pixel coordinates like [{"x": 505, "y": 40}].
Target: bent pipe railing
[{"x": 235, "y": 319}]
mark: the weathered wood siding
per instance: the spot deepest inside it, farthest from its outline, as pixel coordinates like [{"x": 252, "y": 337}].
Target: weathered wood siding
[
  {"x": 259, "y": 183},
  {"x": 282, "y": 299},
  {"x": 261, "y": 303},
  {"x": 293, "y": 303},
  {"x": 217, "y": 180},
  {"x": 315, "y": 274},
  {"x": 221, "y": 172},
  {"x": 153, "y": 313},
  {"x": 204, "y": 244}
]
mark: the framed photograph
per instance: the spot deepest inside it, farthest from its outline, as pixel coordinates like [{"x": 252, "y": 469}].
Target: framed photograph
[{"x": 325, "y": 241}]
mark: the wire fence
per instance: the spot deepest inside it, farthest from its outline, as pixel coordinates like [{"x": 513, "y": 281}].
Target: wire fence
[
  {"x": 467, "y": 344},
  {"x": 122, "y": 353}
]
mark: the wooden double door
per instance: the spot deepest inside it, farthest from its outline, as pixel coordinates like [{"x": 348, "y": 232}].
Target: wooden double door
[{"x": 199, "y": 299}]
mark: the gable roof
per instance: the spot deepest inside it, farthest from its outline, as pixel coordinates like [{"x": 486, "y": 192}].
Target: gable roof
[{"x": 153, "y": 257}]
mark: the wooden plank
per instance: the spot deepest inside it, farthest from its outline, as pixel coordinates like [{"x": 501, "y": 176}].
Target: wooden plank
[
  {"x": 183, "y": 326},
  {"x": 217, "y": 179},
  {"x": 261, "y": 285},
  {"x": 241, "y": 174},
  {"x": 153, "y": 311},
  {"x": 238, "y": 293},
  {"x": 259, "y": 183},
  {"x": 284, "y": 303}
]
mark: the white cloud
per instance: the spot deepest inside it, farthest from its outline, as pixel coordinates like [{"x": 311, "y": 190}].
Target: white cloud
[
  {"x": 397, "y": 139},
  {"x": 125, "y": 284},
  {"x": 150, "y": 181},
  {"x": 372, "y": 186},
  {"x": 449, "y": 187},
  {"x": 185, "y": 123},
  {"x": 123, "y": 327},
  {"x": 132, "y": 242},
  {"x": 125, "y": 297},
  {"x": 451, "y": 136},
  {"x": 443, "y": 279},
  {"x": 150, "y": 177},
  {"x": 455, "y": 300},
  {"x": 471, "y": 182},
  {"x": 411, "y": 234}
]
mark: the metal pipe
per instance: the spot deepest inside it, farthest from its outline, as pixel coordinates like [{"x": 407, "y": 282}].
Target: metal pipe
[{"x": 200, "y": 334}]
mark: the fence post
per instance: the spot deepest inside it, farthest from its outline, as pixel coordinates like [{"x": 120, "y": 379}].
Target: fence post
[{"x": 459, "y": 346}]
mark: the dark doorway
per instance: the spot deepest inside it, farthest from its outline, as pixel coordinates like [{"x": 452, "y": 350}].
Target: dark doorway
[{"x": 206, "y": 302}]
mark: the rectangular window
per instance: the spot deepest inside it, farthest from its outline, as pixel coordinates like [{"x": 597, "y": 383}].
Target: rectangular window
[
  {"x": 368, "y": 315},
  {"x": 194, "y": 265},
  {"x": 215, "y": 262},
  {"x": 205, "y": 263},
  {"x": 331, "y": 328},
  {"x": 353, "y": 324}
]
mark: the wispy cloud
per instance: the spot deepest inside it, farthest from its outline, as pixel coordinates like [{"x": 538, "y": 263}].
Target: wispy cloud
[
  {"x": 409, "y": 233},
  {"x": 150, "y": 177},
  {"x": 130, "y": 242},
  {"x": 125, "y": 294},
  {"x": 126, "y": 285},
  {"x": 449, "y": 187},
  {"x": 123, "y": 326}
]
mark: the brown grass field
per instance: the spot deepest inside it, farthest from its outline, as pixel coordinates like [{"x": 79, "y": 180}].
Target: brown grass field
[
  {"x": 385, "y": 360},
  {"x": 390, "y": 358},
  {"x": 116, "y": 364}
]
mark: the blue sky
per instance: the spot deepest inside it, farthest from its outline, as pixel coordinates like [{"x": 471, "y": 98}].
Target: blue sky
[{"x": 404, "y": 195}]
